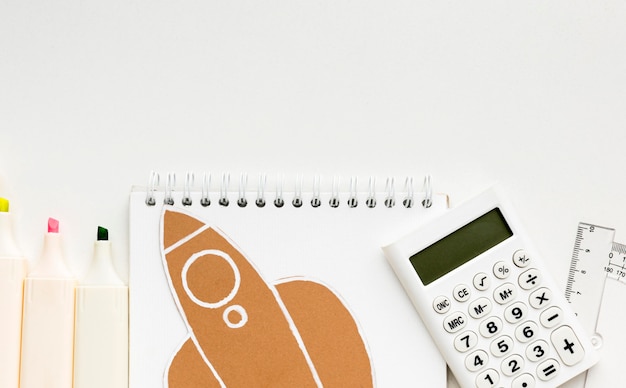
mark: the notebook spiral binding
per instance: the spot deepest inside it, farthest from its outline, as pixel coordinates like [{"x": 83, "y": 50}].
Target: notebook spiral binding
[{"x": 279, "y": 201}]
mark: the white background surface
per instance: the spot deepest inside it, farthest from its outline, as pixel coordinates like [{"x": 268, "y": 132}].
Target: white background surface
[{"x": 94, "y": 95}]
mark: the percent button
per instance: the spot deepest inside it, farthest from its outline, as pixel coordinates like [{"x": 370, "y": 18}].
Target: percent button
[{"x": 501, "y": 270}]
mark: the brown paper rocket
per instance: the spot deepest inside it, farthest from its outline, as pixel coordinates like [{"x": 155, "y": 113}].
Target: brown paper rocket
[{"x": 245, "y": 332}]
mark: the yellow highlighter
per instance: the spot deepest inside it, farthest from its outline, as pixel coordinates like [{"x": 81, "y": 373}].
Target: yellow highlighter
[{"x": 13, "y": 268}]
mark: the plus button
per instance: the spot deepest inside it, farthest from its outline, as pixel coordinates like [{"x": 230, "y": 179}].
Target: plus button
[{"x": 569, "y": 346}]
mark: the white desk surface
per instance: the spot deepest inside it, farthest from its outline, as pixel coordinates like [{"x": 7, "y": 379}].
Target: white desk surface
[{"x": 94, "y": 95}]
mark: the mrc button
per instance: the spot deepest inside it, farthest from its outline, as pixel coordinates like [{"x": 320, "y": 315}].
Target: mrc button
[{"x": 454, "y": 322}]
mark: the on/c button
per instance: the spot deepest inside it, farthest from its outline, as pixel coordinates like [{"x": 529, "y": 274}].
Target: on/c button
[{"x": 441, "y": 304}]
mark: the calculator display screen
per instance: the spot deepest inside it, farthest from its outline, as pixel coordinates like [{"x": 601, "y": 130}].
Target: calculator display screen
[{"x": 461, "y": 246}]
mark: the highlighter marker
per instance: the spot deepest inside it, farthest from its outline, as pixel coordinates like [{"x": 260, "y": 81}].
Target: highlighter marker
[
  {"x": 13, "y": 268},
  {"x": 48, "y": 320},
  {"x": 101, "y": 341}
]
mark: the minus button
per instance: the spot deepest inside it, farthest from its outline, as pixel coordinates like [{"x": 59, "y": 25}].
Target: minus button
[{"x": 551, "y": 317}]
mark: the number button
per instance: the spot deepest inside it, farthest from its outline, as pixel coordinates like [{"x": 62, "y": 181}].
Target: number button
[
  {"x": 501, "y": 270},
  {"x": 530, "y": 279},
  {"x": 540, "y": 298},
  {"x": 487, "y": 379},
  {"x": 526, "y": 331},
  {"x": 515, "y": 312},
  {"x": 521, "y": 259},
  {"x": 465, "y": 341},
  {"x": 481, "y": 281},
  {"x": 476, "y": 360},
  {"x": 512, "y": 365},
  {"x": 548, "y": 369},
  {"x": 537, "y": 350},
  {"x": 567, "y": 345},
  {"x": 524, "y": 381},
  {"x": 504, "y": 294},
  {"x": 441, "y": 304},
  {"x": 461, "y": 293},
  {"x": 490, "y": 327},
  {"x": 501, "y": 346},
  {"x": 454, "y": 322},
  {"x": 479, "y": 308},
  {"x": 551, "y": 317}
]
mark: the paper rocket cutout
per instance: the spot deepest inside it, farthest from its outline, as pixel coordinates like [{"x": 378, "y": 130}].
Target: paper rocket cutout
[{"x": 245, "y": 332}]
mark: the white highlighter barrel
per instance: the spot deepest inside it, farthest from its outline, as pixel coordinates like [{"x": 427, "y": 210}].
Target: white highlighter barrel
[
  {"x": 48, "y": 321},
  {"x": 13, "y": 268},
  {"x": 101, "y": 342}
]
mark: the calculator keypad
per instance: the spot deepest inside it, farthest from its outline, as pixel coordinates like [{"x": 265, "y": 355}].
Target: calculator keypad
[{"x": 506, "y": 326}]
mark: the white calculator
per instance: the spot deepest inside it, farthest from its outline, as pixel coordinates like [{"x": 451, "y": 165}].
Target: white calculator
[{"x": 488, "y": 300}]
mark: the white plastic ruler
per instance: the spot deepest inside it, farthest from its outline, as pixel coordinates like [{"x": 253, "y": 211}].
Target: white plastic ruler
[{"x": 595, "y": 258}]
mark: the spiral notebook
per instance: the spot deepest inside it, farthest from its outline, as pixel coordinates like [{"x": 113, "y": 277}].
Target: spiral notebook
[{"x": 238, "y": 285}]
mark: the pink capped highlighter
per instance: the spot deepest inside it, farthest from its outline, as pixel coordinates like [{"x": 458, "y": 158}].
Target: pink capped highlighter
[{"x": 48, "y": 319}]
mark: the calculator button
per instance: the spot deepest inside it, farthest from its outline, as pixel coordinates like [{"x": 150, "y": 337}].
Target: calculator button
[
  {"x": 476, "y": 360},
  {"x": 501, "y": 270},
  {"x": 461, "y": 293},
  {"x": 551, "y": 317},
  {"x": 490, "y": 327},
  {"x": 521, "y": 259},
  {"x": 487, "y": 379},
  {"x": 441, "y": 304},
  {"x": 465, "y": 341},
  {"x": 540, "y": 298},
  {"x": 524, "y": 381},
  {"x": 530, "y": 279},
  {"x": 501, "y": 346},
  {"x": 481, "y": 281},
  {"x": 479, "y": 308},
  {"x": 515, "y": 312},
  {"x": 567, "y": 345},
  {"x": 512, "y": 365},
  {"x": 454, "y": 322},
  {"x": 548, "y": 369},
  {"x": 537, "y": 350},
  {"x": 526, "y": 331},
  {"x": 505, "y": 293}
]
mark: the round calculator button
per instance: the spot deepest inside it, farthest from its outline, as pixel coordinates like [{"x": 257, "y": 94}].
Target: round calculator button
[
  {"x": 524, "y": 381},
  {"x": 487, "y": 379},
  {"x": 551, "y": 317},
  {"x": 526, "y": 331},
  {"x": 441, "y": 304},
  {"x": 501, "y": 346},
  {"x": 515, "y": 312},
  {"x": 490, "y": 327},
  {"x": 548, "y": 369},
  {"x": 529, "y": 279},
  {"x": 540, "y": 298},
  {"x": 481, "y": 281},
  {"x": 465, "y": 341},
  {"x": 461, "y": 293},
  {"x": 512, "y": 365},
  {"x": 476, "y": 360},
  {"x": 479, "y": 308},
  {"x": 501, "y": 270},
  {"x": 537, "y": 350},
  {"x": 521, "y": 258},
  {"x": 454, "y": 322},
  {"x": 504, "y": 294}
]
